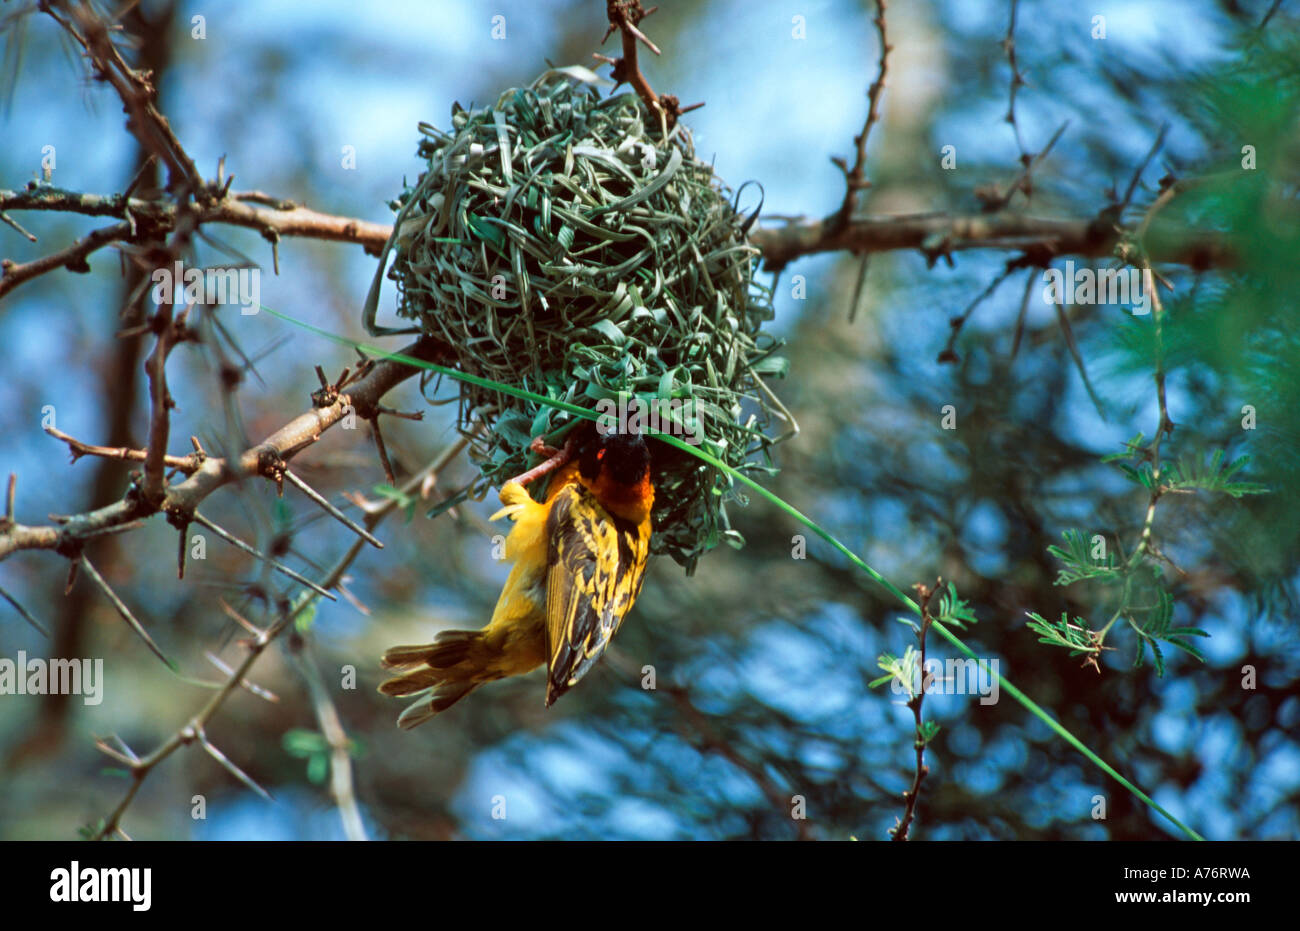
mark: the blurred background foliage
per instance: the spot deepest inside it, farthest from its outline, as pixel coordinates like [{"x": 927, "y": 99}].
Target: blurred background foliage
[{"x": 761, "y": 660}]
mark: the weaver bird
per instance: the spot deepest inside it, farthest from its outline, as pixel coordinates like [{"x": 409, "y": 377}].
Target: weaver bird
[{"x": 579, "y": 560}]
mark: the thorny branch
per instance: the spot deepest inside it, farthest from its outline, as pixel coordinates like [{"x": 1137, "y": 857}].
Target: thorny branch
[
  {"x": 139, "y": 97},
  {"x": 146, "y": 223},
  {"x": 625, "y": 17},
  {"x": 287, "y": 613},
  {"x": 1164, "y": 427},
  {"x": 180, "y": 500},
  {"x": 187, "y": 464},
  {"x": 855, "y": 178},
  {"x": 1017, "y": 82},
  {"x": 935, "y": 235},
  {"x": 194, "y": 202},
  {"x": 145, "y": 220},
  {"x": 72, "y": 257},
  {"x": 939, "y": 235}
]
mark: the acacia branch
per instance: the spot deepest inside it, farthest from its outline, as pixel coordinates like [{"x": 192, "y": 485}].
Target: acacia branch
[
  {"x": 187, "y": 464},
  {"x": 72, "y": 257},
  {"x": 624, "y": 17},
  {"x": 148, "y": 220},
  {"x": 1017, "y": 82},
  {"x": 135, "y": 88},
  {"x": 180, "y": 500},
  {"x": 855, "y": 179},
  {"x": 940, "y": 234},
  {"x": 160, "y": 405},
  {"x": 270, "y": 216},
  {"x": 193, "y": 729},
  {"x": 933, "y": 234}
]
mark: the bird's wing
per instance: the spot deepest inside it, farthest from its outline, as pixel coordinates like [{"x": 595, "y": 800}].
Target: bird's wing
[{"x": 596, "y": 564}]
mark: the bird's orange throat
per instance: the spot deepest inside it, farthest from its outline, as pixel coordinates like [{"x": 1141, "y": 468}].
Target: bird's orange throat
[{"x": 630, "y": 502}]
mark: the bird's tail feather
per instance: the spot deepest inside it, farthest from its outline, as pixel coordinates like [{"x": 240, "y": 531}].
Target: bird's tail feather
[
  {"x": 434, "y": 703},
  {"x": 440, "y": 673}
]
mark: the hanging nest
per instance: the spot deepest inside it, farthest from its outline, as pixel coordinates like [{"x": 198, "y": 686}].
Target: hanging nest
[{"x": 555, "y": 245}]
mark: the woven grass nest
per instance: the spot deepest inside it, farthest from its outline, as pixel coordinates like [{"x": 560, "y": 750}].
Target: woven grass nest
[{"x": 558, "y": 244}]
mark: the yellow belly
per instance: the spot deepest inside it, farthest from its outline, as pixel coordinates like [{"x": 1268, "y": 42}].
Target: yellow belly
[{"x": 517, "y": 631}]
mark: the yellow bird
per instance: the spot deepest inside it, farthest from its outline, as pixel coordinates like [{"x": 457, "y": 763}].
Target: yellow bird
[{"x": 579, "y": 560}]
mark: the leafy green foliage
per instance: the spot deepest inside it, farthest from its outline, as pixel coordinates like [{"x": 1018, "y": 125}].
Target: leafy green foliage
[
  {"x": 1233, "y": 329},
  {"x": 1136, "y": 589},
  {"x": 305, "y": 613},
  {"x": 1191, "y": 475},
  {"x": 312, "y": 747},
  {"x": 1188, "y": 474},
  {"x": 1229, "y": 324},
  {"x": 315, "y": 749},
  {"x": 407, "y": 503},
  {"x": 91, "y": 829},
  {"x": 904, "y": 669},
  {"x": 1072, "y": 634},
  {"x": 1078, "y": 563},
  {"x": 953, "y": 611},
  {"x": 1158, "y": 626}
]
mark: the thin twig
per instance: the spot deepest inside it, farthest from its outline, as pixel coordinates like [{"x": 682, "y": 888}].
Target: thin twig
[
  {"x": 10, "y": 221},
  {"x": 996, "y": 200},
  {"x": 252, "y": 687},
  {"x": 160, "y": 404},
  {"x": 1273, "y": 8},
  {"x": 216, "y": 472},
  {"x": 1017, "y": 81},
  {"x": 138, "y": 95},
  {"x": 1142, "y": 167},
  {"x": 123, "y": 610},
  {"x": 73, "y": 258},
  {"x": 899, "y": 831},
  {"x": 1165, "y": 425},
  {"x": 229, "y": 765},
  {"x": 188, "y": 732},
  {"x": 327, "y": 717},
  {"x": 554, "y": 459},
  {"x": 23, "y": 611},
  {"x": 383, "y": 451},
  {"x": 187, "y": 464},
  {"x": 1024, "y": 310},
  {"x": 855, "y": 178},
  {"x": 332, "y": 511},
  {"x": 955, "y": 324},
  {"x": 253, "y": 551}
]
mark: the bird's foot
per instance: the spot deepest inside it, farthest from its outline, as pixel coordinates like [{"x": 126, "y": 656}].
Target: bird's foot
[{"x": 554, "y": 459}]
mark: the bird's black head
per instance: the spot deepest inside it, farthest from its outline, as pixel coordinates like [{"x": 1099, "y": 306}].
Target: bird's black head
[{"x": 620, "y": 457}]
